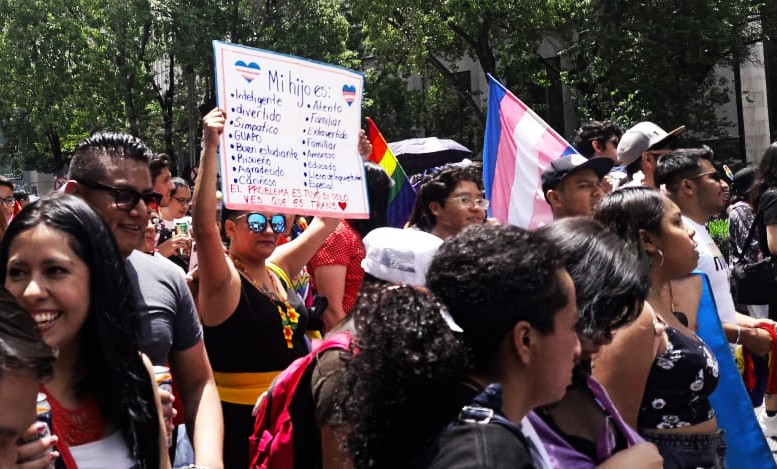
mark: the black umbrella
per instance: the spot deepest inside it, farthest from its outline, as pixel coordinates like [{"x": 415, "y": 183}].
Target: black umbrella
[{"x": 418, "y": 154}]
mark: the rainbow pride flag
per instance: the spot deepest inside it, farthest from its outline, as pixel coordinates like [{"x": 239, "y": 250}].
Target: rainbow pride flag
[{"x": 402, "y": 195}]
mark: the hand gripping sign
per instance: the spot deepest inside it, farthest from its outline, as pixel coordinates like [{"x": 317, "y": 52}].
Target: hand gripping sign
[{"x": 289, "y": 144}]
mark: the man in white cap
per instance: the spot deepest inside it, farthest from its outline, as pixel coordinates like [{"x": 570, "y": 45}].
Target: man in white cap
[{"x": 639, "y": 149}]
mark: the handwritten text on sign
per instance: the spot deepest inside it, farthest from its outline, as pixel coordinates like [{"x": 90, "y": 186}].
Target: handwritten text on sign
[{"x": 289, "y": 144}]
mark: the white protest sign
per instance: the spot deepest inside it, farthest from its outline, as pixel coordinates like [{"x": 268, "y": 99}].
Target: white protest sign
[{"x": 289, "y": 143}]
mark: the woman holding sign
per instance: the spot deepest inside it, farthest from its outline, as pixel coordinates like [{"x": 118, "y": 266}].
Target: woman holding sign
[{"x": 254, "y": 325}]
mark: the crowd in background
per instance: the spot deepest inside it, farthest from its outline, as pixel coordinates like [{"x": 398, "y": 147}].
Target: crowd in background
[{"x": 462, "y": 343}]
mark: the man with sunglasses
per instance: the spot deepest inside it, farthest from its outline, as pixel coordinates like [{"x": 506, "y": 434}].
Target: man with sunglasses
[
  {"x": 597, "y": 139},
  {"x": 694, "y": 184},
  {"x": 111, "y": 172},
  {"x": 640, "y": 148}
]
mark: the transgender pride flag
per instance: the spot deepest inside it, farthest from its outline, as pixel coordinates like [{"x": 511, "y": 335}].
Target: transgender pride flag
[{"x": 518, "y": 147}]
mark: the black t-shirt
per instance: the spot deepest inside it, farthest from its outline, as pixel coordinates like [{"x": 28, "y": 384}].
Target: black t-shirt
[{"x": 767, "y": 205}]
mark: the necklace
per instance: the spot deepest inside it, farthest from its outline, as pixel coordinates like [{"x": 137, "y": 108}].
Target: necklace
[{"x": 289, "y": 315}]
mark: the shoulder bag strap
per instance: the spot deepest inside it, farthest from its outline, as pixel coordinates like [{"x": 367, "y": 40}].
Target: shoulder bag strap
[{"x": 758, "y": 216}]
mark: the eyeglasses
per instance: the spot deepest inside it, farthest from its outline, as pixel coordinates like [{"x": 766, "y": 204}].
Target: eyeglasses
[
  {"x": 257, "y": 222},
  {"x": 182, "y": 200},
  {"x": 126, "y": 198},
  {"x": 467, "y": 201},
  {"x": 712, "y": 174},
  {"x": 9, "y": 201}
]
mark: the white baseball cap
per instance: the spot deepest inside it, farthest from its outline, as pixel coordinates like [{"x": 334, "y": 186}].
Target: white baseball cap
[
  {"x": 400, "y": 256},
  {"x": 641, "y": 138}
]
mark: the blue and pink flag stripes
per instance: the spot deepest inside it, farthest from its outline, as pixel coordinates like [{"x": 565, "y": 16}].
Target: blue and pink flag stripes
[
  {"x": 518, "y": 146},
  {"x": 746, "y": 446},
  {"x": 402, "y": 197}
]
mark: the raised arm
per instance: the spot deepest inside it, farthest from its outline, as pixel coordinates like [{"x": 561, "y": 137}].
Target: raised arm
[
  {"x": 292, "y": 256},
  {"x": 219, "y": 281}
]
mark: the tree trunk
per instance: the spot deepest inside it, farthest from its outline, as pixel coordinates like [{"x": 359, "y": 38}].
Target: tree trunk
[{"x": 56, "y": 149}]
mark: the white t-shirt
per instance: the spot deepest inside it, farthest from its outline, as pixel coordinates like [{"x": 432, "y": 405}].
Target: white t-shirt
[
  {"x": 540, "y": 454},
  {"x": 712, "y": 263},
  {"x": 111, "y": 451}
]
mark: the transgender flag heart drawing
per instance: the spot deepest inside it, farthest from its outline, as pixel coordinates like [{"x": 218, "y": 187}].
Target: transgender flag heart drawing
[
  {"x": 349, "y": 93},
  {"x": 248, "y": 71}
]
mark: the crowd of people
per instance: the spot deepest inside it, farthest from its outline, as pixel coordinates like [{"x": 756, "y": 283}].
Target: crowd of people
[{"x": 465, "y": 343}]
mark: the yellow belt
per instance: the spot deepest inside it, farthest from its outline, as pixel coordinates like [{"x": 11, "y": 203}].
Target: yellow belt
[{"x": 243, "y": 388}]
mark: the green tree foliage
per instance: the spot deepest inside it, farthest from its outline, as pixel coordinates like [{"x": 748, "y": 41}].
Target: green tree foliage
[
  {"x": 72, "y": 67},
  {"x": 654, "y": 59},
  {"x": 51, "y": 70},
  {"x": 429, "y": 39}
]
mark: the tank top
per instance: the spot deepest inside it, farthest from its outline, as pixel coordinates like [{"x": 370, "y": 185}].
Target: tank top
[
  {"x": 679, "y": 384},
  {"x": 252, "y": 338}
]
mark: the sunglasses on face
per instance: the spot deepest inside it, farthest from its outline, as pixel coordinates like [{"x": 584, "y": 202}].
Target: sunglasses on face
[
  {"x": 714, "y": 175},
  {"x": 257, "y": 222},
  {"x": 125, "y": 198}
]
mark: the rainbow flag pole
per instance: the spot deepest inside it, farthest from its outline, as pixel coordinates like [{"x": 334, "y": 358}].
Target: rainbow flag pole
[{"x": 402, "y": 195}]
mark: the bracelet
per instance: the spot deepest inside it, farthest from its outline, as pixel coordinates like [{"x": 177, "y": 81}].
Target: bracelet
[
  {"x": 195, "y": 466},
  {"x": 739, "y": 331}
]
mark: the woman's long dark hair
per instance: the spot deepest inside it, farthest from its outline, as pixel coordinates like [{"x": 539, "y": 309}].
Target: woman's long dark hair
[
  {"x": 611, "y": 283},
  {"x": 408, "y": 364},
  {"x": 628, "y": 210},
  {"x": 768, "y": 167},
  {"x": 379, "y": 186},
  {"x": 114, "y": 369}
]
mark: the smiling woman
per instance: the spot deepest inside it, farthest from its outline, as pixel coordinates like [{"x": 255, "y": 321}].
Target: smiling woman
[{"x": 59, "y": 260}]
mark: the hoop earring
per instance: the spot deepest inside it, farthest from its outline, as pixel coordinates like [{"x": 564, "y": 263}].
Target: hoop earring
[{"x": 660, "y": 255}]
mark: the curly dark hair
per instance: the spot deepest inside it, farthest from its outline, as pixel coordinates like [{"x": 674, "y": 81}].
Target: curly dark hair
[
  {"x": 611, "y": 283},
  {"x": 115, "y": 371},
  {"x": 437, "y": 187},
  {"x": 397, "y": 385},
  {"x": 594, "y": 131},
  {"x": 491, "y": 277}
]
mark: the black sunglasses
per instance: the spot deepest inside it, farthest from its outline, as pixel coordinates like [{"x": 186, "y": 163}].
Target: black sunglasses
[
  {"x": 712, "y": 174},
  {"x": 125, "y": 198},
  {"x": 257, "y": 222}
]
